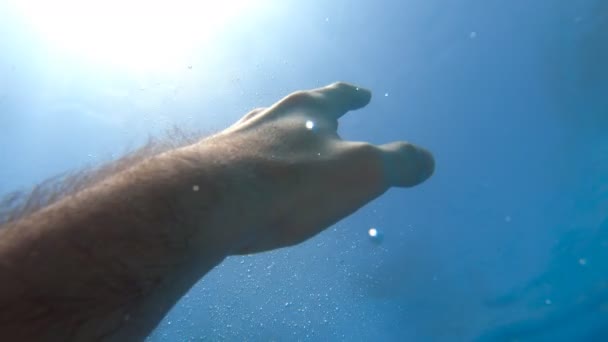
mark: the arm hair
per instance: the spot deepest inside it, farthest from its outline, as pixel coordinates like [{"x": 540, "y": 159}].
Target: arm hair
[{"x": 19, "y": 204}]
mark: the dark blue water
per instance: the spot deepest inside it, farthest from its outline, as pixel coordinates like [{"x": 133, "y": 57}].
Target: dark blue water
[{"x": 507, "y": 241}]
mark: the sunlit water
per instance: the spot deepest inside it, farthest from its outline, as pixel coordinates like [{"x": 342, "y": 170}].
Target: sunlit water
[{"x": 507, "y": 241}]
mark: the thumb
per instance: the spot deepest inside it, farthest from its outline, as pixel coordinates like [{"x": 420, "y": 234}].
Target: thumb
[{"x": 405, "y": 164}]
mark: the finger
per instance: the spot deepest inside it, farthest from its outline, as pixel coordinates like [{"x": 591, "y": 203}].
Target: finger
[
  {"x": 330, "y": 102},
  {"x": 406, "y": 165},
  {"x": 340, "y": 97}
]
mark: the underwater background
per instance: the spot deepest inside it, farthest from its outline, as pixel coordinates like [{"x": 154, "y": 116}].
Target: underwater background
[{"x": 507, "y": 241}]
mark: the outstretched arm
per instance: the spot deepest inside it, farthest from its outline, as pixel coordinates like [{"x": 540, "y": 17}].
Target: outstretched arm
[{"x": 108, "y": 262}]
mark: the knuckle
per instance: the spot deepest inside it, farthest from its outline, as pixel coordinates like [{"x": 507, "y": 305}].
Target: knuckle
[
  {"x": 254, "y": 112},
  {"x": 298, "y": 98},
  {"x": 367, "y": 150},
  {"x": 403, "y": 148},
  {"x": 338, "y": 84},
  {"x": 407, "y": 147}
]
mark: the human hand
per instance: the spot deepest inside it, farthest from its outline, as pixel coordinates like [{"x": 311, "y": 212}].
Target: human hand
[{"x": 295, "y": 176}]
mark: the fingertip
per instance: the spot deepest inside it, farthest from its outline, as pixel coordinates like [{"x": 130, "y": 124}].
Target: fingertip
[
  {"x": 365, "y": 96},
  {"x": 406, "y": 164},
  {"x": 427, "y": 161},
  {"x": 343, "y": 97},
  {"x": 357, "y": 97}
]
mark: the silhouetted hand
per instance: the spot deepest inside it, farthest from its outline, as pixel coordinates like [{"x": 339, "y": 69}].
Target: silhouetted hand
[{"x": 296, "y": 177}]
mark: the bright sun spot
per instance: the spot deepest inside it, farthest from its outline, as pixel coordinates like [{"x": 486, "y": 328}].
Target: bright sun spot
[{"x": 132, "y": 33}]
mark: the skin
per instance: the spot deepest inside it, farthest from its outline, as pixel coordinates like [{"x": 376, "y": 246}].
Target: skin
[{"x": 109, "y": 261}]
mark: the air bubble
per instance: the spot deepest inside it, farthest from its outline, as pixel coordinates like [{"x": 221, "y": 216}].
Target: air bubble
[{"x": 375, "y": 236}]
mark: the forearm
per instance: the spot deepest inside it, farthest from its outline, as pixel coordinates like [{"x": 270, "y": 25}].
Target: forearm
[{"x": 115, "y": 256}]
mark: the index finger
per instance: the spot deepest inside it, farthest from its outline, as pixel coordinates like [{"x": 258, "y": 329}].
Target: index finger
[
  {"x": 340, "y": 97},
  {"x": 332, "y": 101}
]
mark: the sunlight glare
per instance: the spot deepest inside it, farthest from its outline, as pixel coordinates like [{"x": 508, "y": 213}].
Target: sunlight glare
[{"x": 132, "y": 33}]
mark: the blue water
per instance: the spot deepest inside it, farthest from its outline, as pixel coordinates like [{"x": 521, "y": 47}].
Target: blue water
[{"x": 507, "y": 241}]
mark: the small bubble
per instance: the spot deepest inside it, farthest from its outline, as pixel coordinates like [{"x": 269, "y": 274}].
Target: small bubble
[
  {"x": 507, "y": 218},
  {"x": 385, "y": 94},
  {"x": 582, "y": 261},
  {"x": 548, "y": 301},
  {"x": 310, "y": 124},
  {"x": 473, "y": 35},
  {"x": 327, "y": 19},
  {"x": 195, "y": 188},
  {"x": 375, "y": 236}
]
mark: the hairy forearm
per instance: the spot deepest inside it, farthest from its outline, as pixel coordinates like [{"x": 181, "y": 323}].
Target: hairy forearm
[{"x": 109, "y": 261}]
